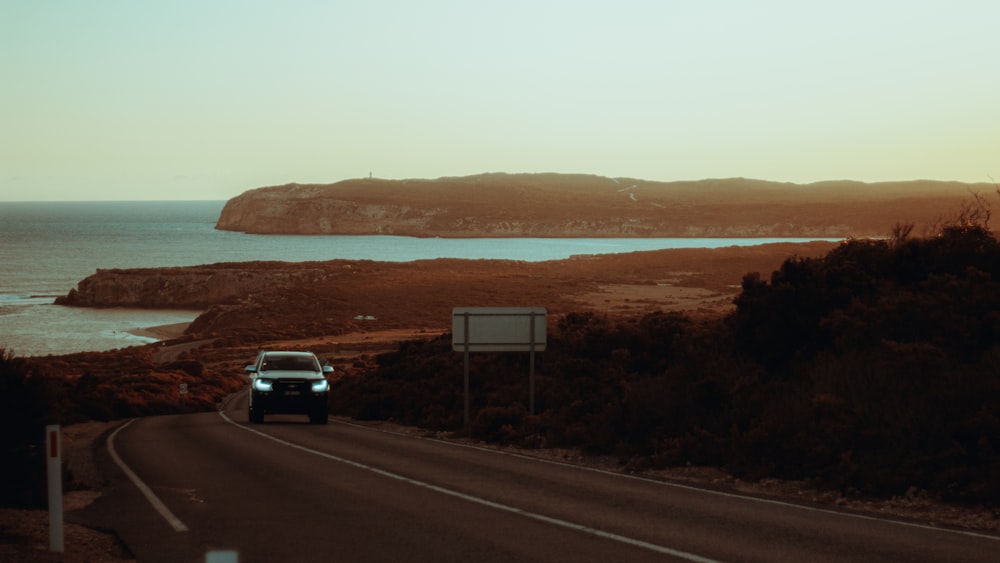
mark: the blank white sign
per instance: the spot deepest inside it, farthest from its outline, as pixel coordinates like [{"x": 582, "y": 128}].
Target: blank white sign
[{"x": 498, "y": 329}]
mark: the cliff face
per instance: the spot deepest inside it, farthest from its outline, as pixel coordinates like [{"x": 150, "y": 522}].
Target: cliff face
[
  {"x": 184, "y": 288},
  {"x": 557, "y": 205}
]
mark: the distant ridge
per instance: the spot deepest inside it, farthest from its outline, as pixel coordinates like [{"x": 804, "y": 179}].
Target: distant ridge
[{"x": 578, "y": 205}]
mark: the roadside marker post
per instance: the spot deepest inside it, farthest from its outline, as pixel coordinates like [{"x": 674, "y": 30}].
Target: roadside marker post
[
  {"x": 499, "y": 329},
  {"x": 53, "y": 451},
  {"x": 222, "y": 556}
]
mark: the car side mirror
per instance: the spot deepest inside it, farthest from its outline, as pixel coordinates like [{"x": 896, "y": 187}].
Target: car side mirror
[
  {"x": 252, "y": 369},
  {"x": 327, "y": 369}
]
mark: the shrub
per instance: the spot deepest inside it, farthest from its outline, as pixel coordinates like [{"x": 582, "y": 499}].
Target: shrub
[
  {"x": 874, "y": 368},
  {"x": 24, "y": 413}
]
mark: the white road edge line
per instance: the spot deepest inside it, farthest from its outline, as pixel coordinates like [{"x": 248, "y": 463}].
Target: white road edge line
[
  {"x": 689, "y": 487},
  {"x": 488, "y": 503},
  {"x": 154, "y": 500}
]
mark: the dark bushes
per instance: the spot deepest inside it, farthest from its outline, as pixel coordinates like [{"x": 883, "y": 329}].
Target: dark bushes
[
  {"x": 36, "y": 392},
  {"x": 875, "y": 369},
  {"x": 420, "y": 385},
  {"x": 894, "y": 355},
  {"x": 24, "y": 412}
]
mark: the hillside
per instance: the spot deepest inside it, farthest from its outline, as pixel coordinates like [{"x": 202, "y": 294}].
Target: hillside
[{"x": 563, "y": 205}]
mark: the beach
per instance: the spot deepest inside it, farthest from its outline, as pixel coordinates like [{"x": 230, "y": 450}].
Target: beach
[{"x": 161, "y": 332}]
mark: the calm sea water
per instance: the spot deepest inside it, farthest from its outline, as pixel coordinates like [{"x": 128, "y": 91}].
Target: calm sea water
[{"x": 46, "y": 248}]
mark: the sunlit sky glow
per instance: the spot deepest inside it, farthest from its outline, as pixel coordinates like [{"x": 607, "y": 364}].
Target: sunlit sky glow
[{"x": 117, "y": 99}]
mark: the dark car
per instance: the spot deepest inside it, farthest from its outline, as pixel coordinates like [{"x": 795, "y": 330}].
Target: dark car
[{"x": 289, "y": 383}]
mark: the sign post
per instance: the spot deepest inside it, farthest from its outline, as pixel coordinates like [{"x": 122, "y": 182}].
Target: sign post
[
  {"x": 498, "y": 329},
  {"x": 53, "y": 455}
]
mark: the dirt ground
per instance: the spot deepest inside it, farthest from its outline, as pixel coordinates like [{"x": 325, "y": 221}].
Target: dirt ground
[{"x": 365, "y": 296}]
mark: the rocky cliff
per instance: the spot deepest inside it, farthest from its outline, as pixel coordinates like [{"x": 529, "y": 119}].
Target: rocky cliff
[
  {"x": 560, "y": 205},
  {"x": 196, "y": 287}
]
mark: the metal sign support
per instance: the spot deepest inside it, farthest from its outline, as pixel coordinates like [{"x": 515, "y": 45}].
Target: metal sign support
[
  {"x": 465, "y": 346},
  {"x": 531, "y": 372},
  {"x": 499, "y": 329}
]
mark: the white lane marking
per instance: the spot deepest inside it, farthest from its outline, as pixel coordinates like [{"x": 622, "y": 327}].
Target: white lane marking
[
  {"x": 686, "y": 487},
  {"x": 154, "y": 500},
  {"x": 481, "y": 501}
]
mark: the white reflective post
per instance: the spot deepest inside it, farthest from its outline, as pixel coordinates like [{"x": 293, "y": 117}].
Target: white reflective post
[
  {"x": 222, "y": 556},
  {"x": 53, "y": 454}
]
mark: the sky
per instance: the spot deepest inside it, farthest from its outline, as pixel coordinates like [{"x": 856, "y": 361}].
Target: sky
[{"x": 205, "y": 99}]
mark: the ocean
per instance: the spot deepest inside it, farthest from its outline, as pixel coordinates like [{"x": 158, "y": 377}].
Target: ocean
[{"x": 46, "y": 248}]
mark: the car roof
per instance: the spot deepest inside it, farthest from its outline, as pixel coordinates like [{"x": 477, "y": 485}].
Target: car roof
[{"x": 286, "y": 353}]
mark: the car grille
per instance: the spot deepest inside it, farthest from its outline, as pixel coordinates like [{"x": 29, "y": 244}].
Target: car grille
[{"x": 292, "y": 387}]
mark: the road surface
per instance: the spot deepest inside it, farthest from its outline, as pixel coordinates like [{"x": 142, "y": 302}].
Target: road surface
[{"x": 209, "y": 485}]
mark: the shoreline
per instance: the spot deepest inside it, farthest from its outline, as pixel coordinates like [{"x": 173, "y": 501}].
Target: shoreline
[
  {"x": 161, "y": 332},
  {"x": 422, "y": 294}
]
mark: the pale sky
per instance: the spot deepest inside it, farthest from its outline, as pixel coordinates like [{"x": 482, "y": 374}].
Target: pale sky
[{"x": 179, "y": 99}]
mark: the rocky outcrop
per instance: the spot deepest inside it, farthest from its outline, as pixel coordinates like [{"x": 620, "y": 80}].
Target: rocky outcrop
[
  {"x": 560, "y": 205},
  {"x": 259, "y": 301},
  {"x": 195, "y": 287}
]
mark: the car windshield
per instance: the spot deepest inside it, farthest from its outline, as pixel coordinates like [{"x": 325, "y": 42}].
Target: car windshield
[{"x": 289, "y": 363}]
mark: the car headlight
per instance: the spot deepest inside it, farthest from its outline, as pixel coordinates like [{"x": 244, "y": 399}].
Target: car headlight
[
  {"x": 263, "y": 384},
  {"x": 321, "y": 386}
]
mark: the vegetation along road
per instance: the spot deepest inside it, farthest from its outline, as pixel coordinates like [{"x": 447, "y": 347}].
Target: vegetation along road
[{"x": 290, "y": 491}]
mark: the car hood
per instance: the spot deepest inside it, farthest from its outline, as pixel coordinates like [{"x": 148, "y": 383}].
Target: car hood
[{"x": 290, "y": 374}]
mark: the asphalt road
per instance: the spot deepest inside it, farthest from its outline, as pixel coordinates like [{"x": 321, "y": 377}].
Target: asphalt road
[{"x": 212, "y": 487}]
